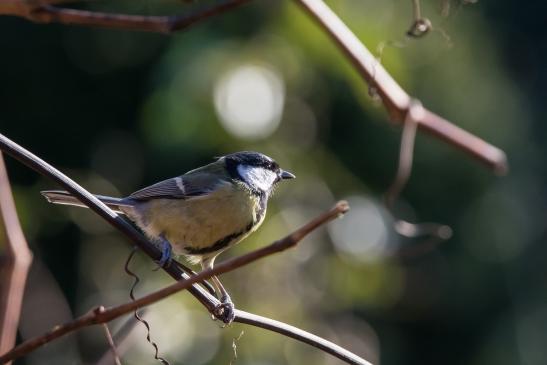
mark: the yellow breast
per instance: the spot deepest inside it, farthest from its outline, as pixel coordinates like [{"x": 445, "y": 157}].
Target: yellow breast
[{"x": 202, "y": 226}]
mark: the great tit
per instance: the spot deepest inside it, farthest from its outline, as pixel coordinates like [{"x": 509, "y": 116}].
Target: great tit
[{"x": 203, "y": 212}]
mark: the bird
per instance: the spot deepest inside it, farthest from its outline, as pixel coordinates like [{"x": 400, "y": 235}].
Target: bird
[{"x": 201, "y": 213}]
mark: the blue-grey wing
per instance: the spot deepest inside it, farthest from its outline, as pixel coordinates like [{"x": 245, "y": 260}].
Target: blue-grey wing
[{"x": 180, "y": 187}]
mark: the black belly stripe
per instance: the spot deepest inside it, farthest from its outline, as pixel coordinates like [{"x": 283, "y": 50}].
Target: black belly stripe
[{"x": 220, "y": 244}]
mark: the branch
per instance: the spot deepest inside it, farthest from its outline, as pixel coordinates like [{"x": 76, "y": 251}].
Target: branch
[
  {"x": 106, "y": 213},
  {"x": 47, "y": 13},
  {"x": 296, "y": 333},
  {"x": 397, "y": 102},
  {"x": 15, "y": 264},
  {"x": 103, "y": 315}
]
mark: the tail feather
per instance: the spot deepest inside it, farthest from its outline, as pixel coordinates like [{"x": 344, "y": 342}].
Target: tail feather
[{"x": 65, "y": 198}]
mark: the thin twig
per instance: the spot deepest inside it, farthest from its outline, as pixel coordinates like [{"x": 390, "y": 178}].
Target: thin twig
[
  {"x": 103, "y": 315},
  {"x": 46, "y": 13},
  {"x": 110, "y": 340},
  {"x": 297, "y": 333},
  {"x": 121, "y": 337},
  {"x": 15, "y": 264},
  {"x": 436, "y": 232},
  {"x": 406, "y": 154},
  {"x": 395, "y": 99},
  {"x": 416, "y": 9}
]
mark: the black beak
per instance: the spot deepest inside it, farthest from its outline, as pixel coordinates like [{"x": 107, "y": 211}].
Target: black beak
[{"x": 285, "y": 175}]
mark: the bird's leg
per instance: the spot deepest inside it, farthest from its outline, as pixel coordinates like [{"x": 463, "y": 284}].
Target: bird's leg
[
  {"x": 224, "y": 296},
  {"x": 226, "y": 309}
]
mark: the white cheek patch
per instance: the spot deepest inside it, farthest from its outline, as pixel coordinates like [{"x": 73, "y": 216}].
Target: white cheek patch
[{"x": 257, "y": 177}]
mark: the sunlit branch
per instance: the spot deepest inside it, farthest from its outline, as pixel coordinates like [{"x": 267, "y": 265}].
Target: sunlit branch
[
  {"x": 296, "y": 333},
  {"x": 397, "y": 102}
]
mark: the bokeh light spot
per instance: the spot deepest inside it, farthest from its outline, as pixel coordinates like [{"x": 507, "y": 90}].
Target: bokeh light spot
[
  {"x": 363, "y": 233},
  {"x": 249, "y": 101}
]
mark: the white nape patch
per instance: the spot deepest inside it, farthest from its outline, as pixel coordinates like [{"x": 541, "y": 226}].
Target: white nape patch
[{"x": 258, "y": 177}]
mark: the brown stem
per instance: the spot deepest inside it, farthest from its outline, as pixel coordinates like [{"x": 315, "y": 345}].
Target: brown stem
[
  {"x": 406, "y": 155},
  {"x": 111, "y": 344},
  {"x": 397, "y": 102},
  {"x": 121, "y": 337},
  {"x": 103, "y": 315},
  {"x": 416, "y": 9},
  {"x": 47, "y": 13},
  {"x": 437, "y": 232},
  {"x": 14, "y": 266}
]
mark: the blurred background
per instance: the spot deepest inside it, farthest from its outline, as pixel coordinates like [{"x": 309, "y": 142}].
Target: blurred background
[{"x": 119, "y": 110}]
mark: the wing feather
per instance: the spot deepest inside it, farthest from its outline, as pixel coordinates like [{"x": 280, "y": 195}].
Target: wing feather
[{"x": 180, "y": 187}]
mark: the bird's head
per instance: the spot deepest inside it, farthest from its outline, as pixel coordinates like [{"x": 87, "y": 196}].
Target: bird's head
[{"x": 258, "y": 171}]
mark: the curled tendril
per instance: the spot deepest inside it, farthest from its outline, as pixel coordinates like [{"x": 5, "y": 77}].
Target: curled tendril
[{"x": 136, "y": 313}]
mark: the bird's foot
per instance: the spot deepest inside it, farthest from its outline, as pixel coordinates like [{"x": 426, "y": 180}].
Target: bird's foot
[
  {"x": 166, "y": 254},
  {"x": 225, "y": 311}
]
